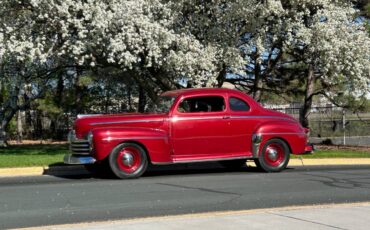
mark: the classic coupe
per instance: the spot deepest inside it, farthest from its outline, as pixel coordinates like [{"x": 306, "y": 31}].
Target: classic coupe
[{"x": 185, "y": 126}]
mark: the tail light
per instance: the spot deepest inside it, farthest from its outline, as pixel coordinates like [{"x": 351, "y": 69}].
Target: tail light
[{"x": 307, "y": 132}]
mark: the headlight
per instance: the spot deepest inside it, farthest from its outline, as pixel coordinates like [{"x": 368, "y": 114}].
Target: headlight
[{"x": 90, "y": 140}]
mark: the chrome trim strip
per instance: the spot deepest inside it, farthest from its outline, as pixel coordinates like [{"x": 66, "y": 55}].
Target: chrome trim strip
[
  {"x": 78, "y": 160},
  {"x": 125, "y": 122},
  {"x": 211, "y": 160},
  {"x": 162, "y": 163},
  {"x": 132, "y": 138},
  {"x": 190, "y": 118},
  {"x": 203, "y": 160},
  {"x": 195, "y": 118},
  {"x": 263, "y": 117},
  {"x": 231, "y": 117},
  {"x": 283, "y": 133}
]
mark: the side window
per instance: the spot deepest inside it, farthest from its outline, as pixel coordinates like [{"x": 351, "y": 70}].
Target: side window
[
  {"x": 202, "y": 104},
  {"x": 237, "y": 104}
]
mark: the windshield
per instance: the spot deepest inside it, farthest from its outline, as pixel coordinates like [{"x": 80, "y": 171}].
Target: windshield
[{"x": 162, "y": 105}]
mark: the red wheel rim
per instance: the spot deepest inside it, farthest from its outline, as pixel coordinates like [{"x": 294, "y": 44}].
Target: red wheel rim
[
  {"x": 274, "y": 154},
  {"x": 129, "y": 159}
]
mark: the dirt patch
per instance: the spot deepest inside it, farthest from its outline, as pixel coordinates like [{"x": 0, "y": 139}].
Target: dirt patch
[
  {"x": 37, "y": 142},
  {"x": 343, "y": 147}
]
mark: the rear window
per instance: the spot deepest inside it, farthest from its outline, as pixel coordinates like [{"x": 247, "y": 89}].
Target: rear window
[
  {"x": 237, "y": 104},
  {"x": 202, "y": 104}
]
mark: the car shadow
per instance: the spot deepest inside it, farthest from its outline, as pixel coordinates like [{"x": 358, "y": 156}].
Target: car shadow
[
  {"x": 195, "y": 168},
  {"x": 78, "y": 172}
]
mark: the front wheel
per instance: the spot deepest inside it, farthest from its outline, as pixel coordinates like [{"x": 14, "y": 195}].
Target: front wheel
[
  {"x": 274, "y": 156},
  {"x": 128, "y": 160}
]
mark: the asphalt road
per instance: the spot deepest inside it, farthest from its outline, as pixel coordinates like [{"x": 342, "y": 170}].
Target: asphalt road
[{"x": 48, "y": 200}]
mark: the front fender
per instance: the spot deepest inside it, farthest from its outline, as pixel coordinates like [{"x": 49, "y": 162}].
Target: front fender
[
  {"x": 155, "y": 141},
  {"x": 289, "y": 131}
]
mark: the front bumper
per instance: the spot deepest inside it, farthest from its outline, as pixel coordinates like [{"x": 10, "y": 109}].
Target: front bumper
[{"x": 78, "y": 160}]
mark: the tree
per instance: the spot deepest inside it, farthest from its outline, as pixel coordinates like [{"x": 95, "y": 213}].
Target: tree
[
  {"x": 304, "y": 47},
  {"x": 300, "y": 47},
  {"x": 133, "y": 36}
]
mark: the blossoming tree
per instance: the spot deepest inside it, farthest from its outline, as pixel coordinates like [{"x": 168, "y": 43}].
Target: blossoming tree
[{"x": 308, "y": 47}]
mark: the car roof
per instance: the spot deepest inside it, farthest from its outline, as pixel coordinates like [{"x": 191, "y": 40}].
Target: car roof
[
  {"x": 212, "y": 91},
  {"x": 199, "y": 91}
]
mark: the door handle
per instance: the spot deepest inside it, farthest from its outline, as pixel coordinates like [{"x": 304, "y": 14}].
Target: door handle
[{"x": 226, "y": 117}]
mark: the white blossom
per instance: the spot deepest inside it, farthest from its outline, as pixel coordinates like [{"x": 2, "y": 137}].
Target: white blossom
[
  {"x": 187, "y": 38},
  {"x": 125, "y": 33}
]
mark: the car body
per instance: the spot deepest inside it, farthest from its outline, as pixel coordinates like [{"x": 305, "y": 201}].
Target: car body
[{"x": 189, "y": 125}]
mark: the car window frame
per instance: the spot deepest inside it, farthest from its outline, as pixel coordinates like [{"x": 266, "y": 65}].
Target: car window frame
[
  {"x": 201, "y": 112},
  {"x": 238, "y": 111}
]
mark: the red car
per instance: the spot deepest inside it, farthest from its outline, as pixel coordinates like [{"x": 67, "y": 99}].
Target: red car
[{"x": 189, "y": 125}]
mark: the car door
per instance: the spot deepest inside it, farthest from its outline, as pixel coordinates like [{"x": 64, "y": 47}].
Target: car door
[
  {"x": 199, "y": 126},
  {"x": 242, "y": 124}
]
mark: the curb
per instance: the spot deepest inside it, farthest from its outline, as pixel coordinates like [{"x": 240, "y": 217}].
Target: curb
[
  {"x": 329, "y": 161},
  {"x": 66, "y": 170},
  {"x": 70, "y": 170}
]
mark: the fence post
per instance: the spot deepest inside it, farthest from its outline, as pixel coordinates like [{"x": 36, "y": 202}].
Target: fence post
[{"x": 344, "y": 126}]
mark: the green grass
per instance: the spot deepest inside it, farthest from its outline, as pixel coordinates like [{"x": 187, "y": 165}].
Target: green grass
[
  {"x": 32, "y": 155},
  {"x": 44, "y": 155},
  {"x": 335, "y": 154}
]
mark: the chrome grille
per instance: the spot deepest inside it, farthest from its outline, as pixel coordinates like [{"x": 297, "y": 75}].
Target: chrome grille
[{"x": 78, "y": 146}]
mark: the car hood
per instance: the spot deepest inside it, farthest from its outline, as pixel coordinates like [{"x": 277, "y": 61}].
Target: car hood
[{"x": 84, "y": 123}]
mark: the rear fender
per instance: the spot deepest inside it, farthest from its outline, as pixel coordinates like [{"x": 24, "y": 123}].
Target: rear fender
[
  {"x": 155, "y": 141},
  {"x": 289, "y": 131}
]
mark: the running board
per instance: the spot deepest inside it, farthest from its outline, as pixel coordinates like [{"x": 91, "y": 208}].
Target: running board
[{"x": 183, "y": 160}]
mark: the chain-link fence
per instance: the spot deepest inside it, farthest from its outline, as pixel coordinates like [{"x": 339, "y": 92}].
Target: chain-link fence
[
  {"x": 330, "y": 124},
  {"x": 327, "y": 123}
]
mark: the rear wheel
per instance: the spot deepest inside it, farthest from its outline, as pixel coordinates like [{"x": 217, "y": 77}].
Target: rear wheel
[
  {"x": 274, "y": 156},
  {"x": 128, "y": 160}
]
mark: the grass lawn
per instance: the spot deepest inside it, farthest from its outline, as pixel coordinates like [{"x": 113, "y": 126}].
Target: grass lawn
[
  {"x": 335, "y": 154},
  {"x": 44, "y": 155},
  {"x": 32, "y": 155}
]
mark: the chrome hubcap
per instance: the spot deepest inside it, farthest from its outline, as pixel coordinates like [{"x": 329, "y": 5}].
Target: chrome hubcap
[
  {"x": 128, "y": 159},
  {"x": 272, "y": 154}
]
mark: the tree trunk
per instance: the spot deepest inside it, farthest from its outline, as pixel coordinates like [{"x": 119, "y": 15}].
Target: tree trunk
[
  {"x": 38, "y": 125},
  {"x": 9, "y": 109},
  {"x": 3, "y": 142},
  {"x": 221, "y": 76},
  {"x": 58, "y": 100},
  {"x": 142, "y": 100},
  {"x": 60, "y": 90},
  {"x": 129, "y": 98},
  {"x": 307, "y": 104},
  {"x": 79, "y": 93},
  {"x": 145, "y": 85},
  {"x": 257, "y": 93},
  {"x": 28, "y": 117},
  {"x": 19, "y": 127}
]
